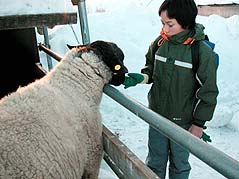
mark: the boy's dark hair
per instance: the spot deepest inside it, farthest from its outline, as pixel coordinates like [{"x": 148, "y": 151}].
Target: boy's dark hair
[{"x": 184, "y": 11}]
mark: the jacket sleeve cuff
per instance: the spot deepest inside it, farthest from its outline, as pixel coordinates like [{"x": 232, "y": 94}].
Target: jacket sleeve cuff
[
  {"x": 145, "y": 71},
  {"x": 146, "y": 79},
  {"x": 199, "y": 123}
]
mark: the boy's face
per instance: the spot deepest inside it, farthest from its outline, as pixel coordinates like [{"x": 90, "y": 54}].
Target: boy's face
[{"x": 170, "y": 26}]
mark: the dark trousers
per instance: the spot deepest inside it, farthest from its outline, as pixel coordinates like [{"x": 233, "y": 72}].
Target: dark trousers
[{"x": 161, "y": 150}]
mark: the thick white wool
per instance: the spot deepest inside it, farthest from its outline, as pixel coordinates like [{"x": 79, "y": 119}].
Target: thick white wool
[{"x": 52, "y": 127}]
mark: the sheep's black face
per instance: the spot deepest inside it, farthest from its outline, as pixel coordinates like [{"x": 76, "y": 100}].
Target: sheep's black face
[{"x": 113, "y": 57}]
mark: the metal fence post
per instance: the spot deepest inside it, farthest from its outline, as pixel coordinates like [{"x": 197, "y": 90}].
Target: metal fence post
[
  {"x": 47, "y": 43},
  {"x": 83, "y": 20}
]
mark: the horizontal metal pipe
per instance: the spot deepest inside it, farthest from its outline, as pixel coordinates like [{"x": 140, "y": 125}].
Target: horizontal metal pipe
[
  {"x": 49, "y": 52},
  {"x": 218, "y": 160}
]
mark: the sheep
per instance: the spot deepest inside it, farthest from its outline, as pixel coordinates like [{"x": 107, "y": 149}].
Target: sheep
[{"x": 52, "y": 128}]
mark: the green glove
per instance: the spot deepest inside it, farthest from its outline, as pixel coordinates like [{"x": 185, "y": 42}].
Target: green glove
[
  {"x": 206, "y": 137},
  {"x": 133, "y": 79}
]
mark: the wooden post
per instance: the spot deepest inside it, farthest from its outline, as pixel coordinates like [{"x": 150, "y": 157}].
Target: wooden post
[{"x": 125, "y": 163}]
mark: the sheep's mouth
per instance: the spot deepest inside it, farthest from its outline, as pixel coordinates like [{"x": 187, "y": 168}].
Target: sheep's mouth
[
  {"x": 118, "y": 75},
  {"x": 117, "y": 80}
]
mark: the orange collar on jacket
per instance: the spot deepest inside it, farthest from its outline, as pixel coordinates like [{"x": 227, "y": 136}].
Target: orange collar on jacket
[
  {"x": 189, "y": 40},
  {"x": 164, "y": 36}
]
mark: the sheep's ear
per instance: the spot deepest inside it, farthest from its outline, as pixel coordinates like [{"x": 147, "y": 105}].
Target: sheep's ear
[
  {"x": 71, "y": 46},
  {"x": 77, "y": 46}
]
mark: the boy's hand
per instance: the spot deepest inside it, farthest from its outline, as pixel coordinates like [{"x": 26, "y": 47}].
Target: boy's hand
[{"x": 133, "y": 79}]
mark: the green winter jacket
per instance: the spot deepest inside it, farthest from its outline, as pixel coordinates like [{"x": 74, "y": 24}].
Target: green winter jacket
[{"x": 173, "y": 93}]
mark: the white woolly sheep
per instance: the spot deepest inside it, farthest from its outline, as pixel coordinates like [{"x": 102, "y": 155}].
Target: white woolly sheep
[{"x": 52, "y": 127}]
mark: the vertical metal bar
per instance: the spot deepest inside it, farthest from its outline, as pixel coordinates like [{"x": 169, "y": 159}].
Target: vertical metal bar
[
  {"x": 83, "y": 22},
  {"x": 47, "y": 43}
]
